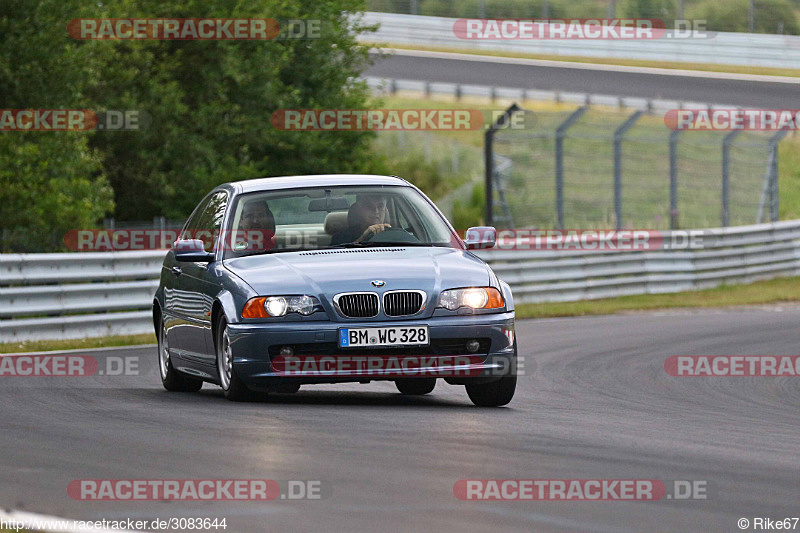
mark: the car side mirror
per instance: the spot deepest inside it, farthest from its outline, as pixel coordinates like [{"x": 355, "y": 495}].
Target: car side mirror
[
  {"x": 481, "y": 238},
  {"x": 192, "y": 251}
]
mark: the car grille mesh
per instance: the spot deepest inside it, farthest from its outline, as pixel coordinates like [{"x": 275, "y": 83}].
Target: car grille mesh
[
  {"x": 402, "y": 303},
  {"x": 359, "y": 305}
]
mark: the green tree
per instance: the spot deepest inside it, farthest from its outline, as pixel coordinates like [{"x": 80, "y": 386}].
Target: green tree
[
  {"x": 770, "y": 16},
  {"x": 211, "y": 102},
  {"x": 649, "y": 9},
  {"x": 50, "y": 182},
  {"x": 470, "y": 213}
]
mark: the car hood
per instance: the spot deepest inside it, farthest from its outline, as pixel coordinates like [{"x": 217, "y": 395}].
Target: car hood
[{"x": 325, "y": 273}]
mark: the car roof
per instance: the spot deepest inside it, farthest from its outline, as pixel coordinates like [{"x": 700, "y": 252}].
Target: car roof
[{"x": 319, "y": 180}]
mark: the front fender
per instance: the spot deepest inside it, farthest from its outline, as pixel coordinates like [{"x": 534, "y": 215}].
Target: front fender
[
  {"x": 509, "y": 298},
  {"x": 228, "y": 304},
  {"x": 158, "y": 303}
]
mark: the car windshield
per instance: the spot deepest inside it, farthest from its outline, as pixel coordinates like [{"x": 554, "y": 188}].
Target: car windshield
[{"x": 331, "y": 217}]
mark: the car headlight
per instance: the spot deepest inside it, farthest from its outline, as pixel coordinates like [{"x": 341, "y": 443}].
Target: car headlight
[
  {"x": 272, "y": 306},
  {"x": 474, "y": 297}
]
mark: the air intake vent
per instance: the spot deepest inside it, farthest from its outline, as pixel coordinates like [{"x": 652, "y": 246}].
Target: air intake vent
[
  {"x": 403, "y": 303},
  {"x": 357, "y": 304}
]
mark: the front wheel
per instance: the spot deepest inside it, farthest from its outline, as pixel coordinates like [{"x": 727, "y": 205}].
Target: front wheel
[
  {"x": 172, "y": 380},
  {"x": 231, "y": 385},
  {"x": 493, "y": 394}
]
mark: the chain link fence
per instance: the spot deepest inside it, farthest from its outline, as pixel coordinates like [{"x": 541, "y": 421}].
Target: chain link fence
[{"x": 583, "y": 168}]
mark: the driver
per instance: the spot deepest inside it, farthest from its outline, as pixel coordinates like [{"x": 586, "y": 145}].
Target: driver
[
  {"x": 364, "y": 219},
  {"x": 258, "y": 225}
]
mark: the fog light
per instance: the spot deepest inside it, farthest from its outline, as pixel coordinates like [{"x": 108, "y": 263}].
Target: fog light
[
  {"x": 473, "y": 346},
  {"x": 286, "y": 350}
]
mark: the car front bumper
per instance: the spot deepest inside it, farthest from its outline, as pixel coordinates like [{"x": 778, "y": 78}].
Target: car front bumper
[{"x": 254, "y": 350}]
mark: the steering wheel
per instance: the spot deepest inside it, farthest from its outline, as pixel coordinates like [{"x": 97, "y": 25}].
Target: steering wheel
[{"x": 392, "y": 235}]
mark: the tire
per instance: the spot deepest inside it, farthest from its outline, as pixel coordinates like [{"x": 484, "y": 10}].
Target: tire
[
  {"x": 231, "y": 385},
  {"x": 172, "y": 380},
  {"x": 496, "y": 393},
  {"x": 493, "y": 394},
  {"x": 415, "y": 386}
]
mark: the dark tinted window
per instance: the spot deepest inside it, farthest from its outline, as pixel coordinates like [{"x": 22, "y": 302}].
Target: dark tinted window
[{"x": 206, "y": 221}]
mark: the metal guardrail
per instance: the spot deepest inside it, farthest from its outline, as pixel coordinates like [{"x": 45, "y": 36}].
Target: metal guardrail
[
  {"x": 458, "y": 90},
  {"x": 734, "y": 255},
  {"x": 61, "y": 296},
  {"x": 76, "y": 295},
  {"x": 782, "y": 51}
]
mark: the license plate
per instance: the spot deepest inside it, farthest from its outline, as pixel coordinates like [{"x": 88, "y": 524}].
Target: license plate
[{"x": 391, "y": 336}]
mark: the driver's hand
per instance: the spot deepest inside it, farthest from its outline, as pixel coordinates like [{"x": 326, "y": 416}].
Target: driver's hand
[{"x": 373, "y": 230}]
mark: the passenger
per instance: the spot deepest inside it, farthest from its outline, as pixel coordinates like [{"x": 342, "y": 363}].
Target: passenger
[{"x": 258, "y": 224}]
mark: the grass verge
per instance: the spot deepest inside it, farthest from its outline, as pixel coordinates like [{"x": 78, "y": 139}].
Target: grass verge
[
  {"x": 77, "y": 344},
  {"x": 760, "y": 292},
  {"x": 672, "y": 65}
]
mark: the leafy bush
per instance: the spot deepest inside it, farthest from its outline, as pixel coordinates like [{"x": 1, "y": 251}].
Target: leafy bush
[{"x": 770, "y": 16}]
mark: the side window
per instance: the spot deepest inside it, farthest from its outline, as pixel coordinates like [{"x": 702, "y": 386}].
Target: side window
[
  {"x": 206, "y": 221},
  {"x": 192, "y": 224},
  {"x": 211, "y": 220}
]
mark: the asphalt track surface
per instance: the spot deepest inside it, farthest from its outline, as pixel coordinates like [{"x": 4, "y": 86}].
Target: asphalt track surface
[
  {"x": 735, "y": 92},
  {"x": 595, "y": 403}
]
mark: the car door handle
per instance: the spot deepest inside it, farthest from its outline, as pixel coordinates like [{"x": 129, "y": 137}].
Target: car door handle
[{"x": 177, "y": 270}]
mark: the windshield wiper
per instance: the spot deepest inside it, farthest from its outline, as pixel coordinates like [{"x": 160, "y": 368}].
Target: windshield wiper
[
  {"x": 396, "y": 243},
  {"x": 256, "y": 252},
  {"x": 343, "y": 245}
]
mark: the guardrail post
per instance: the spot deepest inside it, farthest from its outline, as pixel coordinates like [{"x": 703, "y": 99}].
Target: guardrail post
[
  {"x": 774, "y": 199},
  {"x": 488, "y": 160},
  {"x": 561, "y": 133},
  {"x": 619, "y": 134},
  {"x": 673, "y": 179},
  {"x": 726, "y": 172}
]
